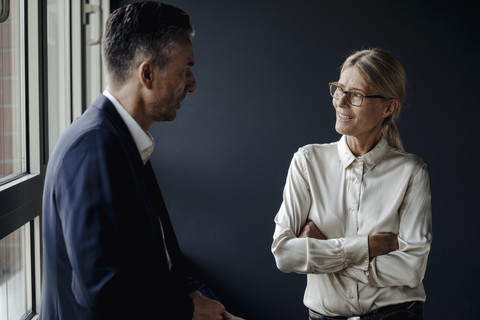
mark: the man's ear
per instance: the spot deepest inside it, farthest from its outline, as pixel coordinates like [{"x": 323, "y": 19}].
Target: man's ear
[
  {"x": 391, "y": 107},
  {"x": 146, "y": 73}
]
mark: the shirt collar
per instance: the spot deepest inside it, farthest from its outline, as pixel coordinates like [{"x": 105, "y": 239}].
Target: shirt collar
[
  {"x": 143, "y": 139},
  {"x": 370, "y": 159}
]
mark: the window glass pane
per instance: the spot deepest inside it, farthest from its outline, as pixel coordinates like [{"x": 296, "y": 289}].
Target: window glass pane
[
  {"x": 93, "y": 60},
  {"x": 59, "y": 104},
  {"x": 13, "y": 275},
  {"x": 12, "y": 135}
]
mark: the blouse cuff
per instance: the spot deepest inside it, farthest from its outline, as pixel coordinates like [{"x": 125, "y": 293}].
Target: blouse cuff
[{"x": 356, "y": 252}]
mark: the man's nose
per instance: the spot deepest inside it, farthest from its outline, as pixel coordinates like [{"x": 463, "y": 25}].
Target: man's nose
[{"x": 191, "y": 84}]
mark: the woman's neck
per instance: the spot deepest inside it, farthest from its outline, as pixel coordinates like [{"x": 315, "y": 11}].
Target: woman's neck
[{"x": 361, "y": 146}]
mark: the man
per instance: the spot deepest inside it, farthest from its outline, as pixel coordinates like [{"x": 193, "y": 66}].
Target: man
[{"x": 109, "y": 249}]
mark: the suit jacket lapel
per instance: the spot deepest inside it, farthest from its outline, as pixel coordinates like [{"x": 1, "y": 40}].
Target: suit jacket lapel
[
  {"x": 170, "y": 238},
  {"x": 106, "y": 106}
]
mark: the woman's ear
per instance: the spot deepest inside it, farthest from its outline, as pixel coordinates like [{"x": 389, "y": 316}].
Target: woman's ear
[
  {"x": 146, "y": 73},
  {"x": 391, "y": 107}
]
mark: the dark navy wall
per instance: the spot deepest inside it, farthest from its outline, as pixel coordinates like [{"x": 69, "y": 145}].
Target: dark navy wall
[{"x": 262, "y": 69}]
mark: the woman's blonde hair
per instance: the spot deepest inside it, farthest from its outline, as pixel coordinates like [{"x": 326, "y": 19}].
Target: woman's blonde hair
[{"x": 387, "y": 77}]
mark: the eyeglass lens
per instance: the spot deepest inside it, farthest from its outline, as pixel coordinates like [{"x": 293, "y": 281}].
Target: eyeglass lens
[{"x": 354, "y": 98}]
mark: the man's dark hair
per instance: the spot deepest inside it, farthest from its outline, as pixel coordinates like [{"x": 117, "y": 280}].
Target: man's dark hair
[{"x": 145, "y": 29}]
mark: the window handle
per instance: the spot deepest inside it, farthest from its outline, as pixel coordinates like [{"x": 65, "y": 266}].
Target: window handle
[
  {"x": 4, "y": 10},
  {"x": 92, "y": 9}
]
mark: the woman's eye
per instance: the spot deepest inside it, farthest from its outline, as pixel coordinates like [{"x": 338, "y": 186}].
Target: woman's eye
[{"x": 357, "y": 95}]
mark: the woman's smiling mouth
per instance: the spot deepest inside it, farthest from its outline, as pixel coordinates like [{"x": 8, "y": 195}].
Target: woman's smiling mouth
[{"x": 344, "y": 117}]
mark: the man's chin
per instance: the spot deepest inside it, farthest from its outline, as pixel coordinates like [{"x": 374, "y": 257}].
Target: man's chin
[
  {"x": 167, "y": 117},
  {"x": 171, "y": 117}
]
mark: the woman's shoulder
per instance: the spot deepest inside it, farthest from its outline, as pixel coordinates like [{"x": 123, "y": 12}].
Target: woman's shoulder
[
  {"x": 318, "y": 147},
  {"x": 406, "y": 158},
  {"x": 318, "y": 151}
]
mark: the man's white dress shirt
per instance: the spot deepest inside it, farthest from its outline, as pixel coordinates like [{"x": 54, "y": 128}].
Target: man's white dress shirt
[
  {"x": 143, "y": 139},
  {"x": 349, "y": 198}
]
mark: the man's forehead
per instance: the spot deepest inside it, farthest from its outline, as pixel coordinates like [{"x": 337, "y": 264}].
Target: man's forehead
[{"x": 183, "y": 49}]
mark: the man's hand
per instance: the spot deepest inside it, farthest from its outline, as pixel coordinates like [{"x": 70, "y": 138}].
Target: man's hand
[
  {"x": 310, "y": 230},
  {"x": 382, "y": 243},
  {"x": 205, "y": 308}
]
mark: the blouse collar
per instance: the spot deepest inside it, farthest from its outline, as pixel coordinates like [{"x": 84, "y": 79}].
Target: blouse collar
[{"x": 370, "y": 159}]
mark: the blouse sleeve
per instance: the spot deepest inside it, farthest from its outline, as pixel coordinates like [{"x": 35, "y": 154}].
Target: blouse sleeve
[
  {"x": 406, "y": 266},
  {"x": 308, "y": 255}
]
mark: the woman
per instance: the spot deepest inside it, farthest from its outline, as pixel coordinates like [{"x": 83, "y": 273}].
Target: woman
[{"x": 356, "y": 214}]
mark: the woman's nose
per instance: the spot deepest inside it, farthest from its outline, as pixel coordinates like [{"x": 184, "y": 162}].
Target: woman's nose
[{"x": 343, "y": 101}]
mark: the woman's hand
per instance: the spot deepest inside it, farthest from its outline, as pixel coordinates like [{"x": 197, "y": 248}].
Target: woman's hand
[
  {"x": 382, "y": 243},
  {"x": 310, "y": 230},
  {"x": 378, "y": 244}
]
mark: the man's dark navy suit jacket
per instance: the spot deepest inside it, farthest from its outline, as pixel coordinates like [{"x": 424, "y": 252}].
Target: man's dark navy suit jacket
[{"x": 103, "y": 249}]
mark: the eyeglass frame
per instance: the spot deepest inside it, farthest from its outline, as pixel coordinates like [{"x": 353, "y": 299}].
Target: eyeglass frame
[{"x": 352, "y": 92}]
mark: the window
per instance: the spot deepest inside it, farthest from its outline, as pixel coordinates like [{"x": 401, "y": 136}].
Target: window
[
  {"x": 58, "y": 69},
  {"x": 15, "y": 267},
  {"x": 20, "y": 154},
  {"x": 13, "y": 274},
  {"x": 12, "y": 104},
  {"x": 50, "y": 70}
]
